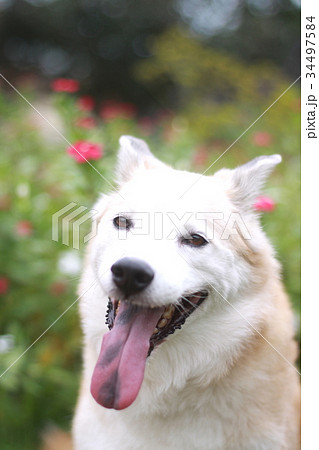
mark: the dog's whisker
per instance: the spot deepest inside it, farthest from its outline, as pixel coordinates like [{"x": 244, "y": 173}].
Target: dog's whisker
[
  {"x": 188, "y": 301},
  {"x": 193, "y": 305},
  {"x": 199, "y": 307},
  {"x": 180, "y": 308},
  {"x": 185, "y": 312}
]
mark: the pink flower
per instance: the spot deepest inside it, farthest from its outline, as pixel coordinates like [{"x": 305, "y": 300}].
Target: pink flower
[
  {"x": 262, "y": 139},
  {"x": 83, "y": 151},
  {"x": 24, "y": 228},
  {"x": 65, "y": 85},
  {"x": 147, "y": 125},
  {"x": 265, "y": 204},
  {"x": 86, "y": 103},
  {"x": 201, "y": 156},
  {"x": 112, "y": 110},
  {"x": 86, "y": 122},
  {"x": 165, "y": 115},
  {"x": 4, "y": 285}
]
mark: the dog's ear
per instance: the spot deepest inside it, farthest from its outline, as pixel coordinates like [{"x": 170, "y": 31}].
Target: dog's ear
[
  {"x": 134, "y": 154},
  {"x": 248, "y": 180}
]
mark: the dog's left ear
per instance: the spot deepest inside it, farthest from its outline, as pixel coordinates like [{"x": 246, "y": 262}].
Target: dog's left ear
[
  {"x": 134, "y": 154},
  {"x": 248, "y": 180}
]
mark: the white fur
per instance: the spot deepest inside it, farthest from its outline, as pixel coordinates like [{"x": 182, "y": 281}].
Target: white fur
[{"x": 199, "y": 392}]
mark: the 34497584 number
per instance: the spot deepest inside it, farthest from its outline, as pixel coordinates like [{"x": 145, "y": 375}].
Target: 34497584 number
[{"x": 310, "y": 46}]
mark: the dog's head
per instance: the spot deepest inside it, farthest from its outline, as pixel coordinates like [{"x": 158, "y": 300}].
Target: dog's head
[{"x": 172, "y": 247}]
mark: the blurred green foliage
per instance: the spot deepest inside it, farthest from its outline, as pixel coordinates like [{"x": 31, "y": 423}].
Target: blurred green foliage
[
  {"x": 215, "y": 90},
  {"x": 219, "y": 98}
]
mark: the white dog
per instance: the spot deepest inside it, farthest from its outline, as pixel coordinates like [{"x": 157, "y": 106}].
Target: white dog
[{"x": 200, "y": 350}]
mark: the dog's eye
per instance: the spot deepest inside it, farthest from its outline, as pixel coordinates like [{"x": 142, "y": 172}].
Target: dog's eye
[
  {"x": 122, "y": 222},
  {"x": 195, "y": 240}
]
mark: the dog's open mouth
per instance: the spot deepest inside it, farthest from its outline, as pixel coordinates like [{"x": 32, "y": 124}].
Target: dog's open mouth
[
  {"x": 172, "y": 318},
  {"x": 135, "y": 331}
]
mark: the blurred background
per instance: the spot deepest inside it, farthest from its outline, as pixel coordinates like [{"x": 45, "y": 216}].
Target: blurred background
[{"x": 188, "y": 76}]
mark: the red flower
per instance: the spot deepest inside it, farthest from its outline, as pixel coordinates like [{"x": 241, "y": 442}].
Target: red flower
[
  {"x": 86, "y": 122},
  {"x": 112, "y": 110},
  {"x": 65, "y": 85},
  {"x": 83, "y": 151},
  {"x": 58, "y": 288},
  {"x": 265, "y": 204},
  {"x": 4, "y": 285},
  {"x": 86, "y": 103},
  {"x": 262, "y": 139},
  {"x": 24, "y": 228}
]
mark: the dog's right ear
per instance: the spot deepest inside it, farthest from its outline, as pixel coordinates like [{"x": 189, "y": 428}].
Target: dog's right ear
[{"x": 134, "y": 154}]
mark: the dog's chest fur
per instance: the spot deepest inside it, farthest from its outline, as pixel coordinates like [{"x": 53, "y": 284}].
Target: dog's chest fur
[{"x": 215, "y": 417}]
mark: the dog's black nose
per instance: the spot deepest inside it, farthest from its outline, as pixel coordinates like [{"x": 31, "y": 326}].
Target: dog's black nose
[{"x": 132, "y": 275}]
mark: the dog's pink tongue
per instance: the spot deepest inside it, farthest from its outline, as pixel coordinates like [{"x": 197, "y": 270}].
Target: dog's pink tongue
[{"x": 119, "y": 371}]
